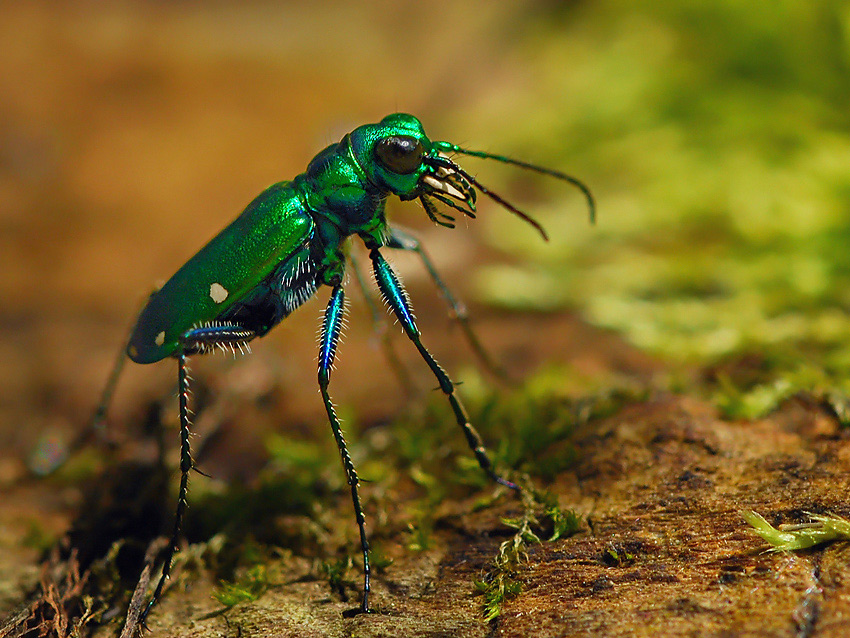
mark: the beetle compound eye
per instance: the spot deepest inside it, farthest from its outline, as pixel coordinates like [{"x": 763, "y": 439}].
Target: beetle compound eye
[{"x": 400, "y": 153}]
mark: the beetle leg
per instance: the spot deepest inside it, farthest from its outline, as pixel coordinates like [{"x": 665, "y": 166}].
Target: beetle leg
[
  {"x": 396, "y": 297},
  {"x": 331, "y": 328},
  {"x": 205, "y": 339},
  {"x": 185, "y": 467},
  {"x": 99, "y": 417},
  {"x": 96, "y": 428},
  {"x": 198, "y": 340},
  {"x": 403, "y": 240},
  {"x": 379, "y": 325}
]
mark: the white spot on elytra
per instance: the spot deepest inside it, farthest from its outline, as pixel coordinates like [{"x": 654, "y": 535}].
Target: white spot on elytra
[
  {"x": 160, "y": 338},
  {"x": 218, "y": 293}
]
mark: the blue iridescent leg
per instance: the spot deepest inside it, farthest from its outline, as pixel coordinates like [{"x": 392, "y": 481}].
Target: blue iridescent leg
[
  {"x": 198, "y": 340},
  {"x": 379, "y": 326},
  {"x": 331, "y": 328},
  {"x": 396, "y": 297},
  {"x": 403, "y": 240}
]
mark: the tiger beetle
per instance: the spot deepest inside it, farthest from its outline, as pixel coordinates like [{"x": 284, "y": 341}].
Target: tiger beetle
[{"x": 293, "y": 239}]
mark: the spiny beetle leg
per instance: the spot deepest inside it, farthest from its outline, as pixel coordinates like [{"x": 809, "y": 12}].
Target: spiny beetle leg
[
  {"x": 379, "y": 326},
  {"x": 403, "y": 240},
  {"x": 200, "y": 340},
  {"x": 396, "y": 297},
  {"x": 99, "y": 416},
  {"x": 96, "y": 428},
  {"x": 185, "y": 468},
  {"x": 331, "y": 328},
  {"x": 206, "y": 339}
]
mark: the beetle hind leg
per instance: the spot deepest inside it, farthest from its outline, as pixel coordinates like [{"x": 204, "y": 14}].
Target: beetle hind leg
[
  {"x": 200, "y": 340},
  {"x": 205, "y": 339},
  {"x": 186, "y": 465}
]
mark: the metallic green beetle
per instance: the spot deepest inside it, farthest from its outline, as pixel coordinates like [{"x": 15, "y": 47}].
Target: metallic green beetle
[{"x": 290, "y": 241}]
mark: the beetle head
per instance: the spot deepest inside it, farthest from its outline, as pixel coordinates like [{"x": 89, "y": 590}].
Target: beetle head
[{"x": 397, "y": 157}]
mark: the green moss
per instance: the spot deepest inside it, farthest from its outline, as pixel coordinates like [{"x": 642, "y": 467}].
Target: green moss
[
  {"x": 336, "y": 572},
  {"x": 751, "y": 403},
  {"x": 564, "y": 523},
  {"x": 718, "y": 166},
  {"x": 249, "y": 587},
  {"x": 421, "y": 535},
  {"x": 503, "y": 581}
]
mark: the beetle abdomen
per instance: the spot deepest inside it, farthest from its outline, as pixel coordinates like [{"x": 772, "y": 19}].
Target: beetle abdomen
[{"x": 270, "y": 230}]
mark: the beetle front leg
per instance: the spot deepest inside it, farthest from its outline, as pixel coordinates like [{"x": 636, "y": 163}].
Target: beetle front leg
[
  {"x": 403, "y": 240},
  {"x": 331, "y": 328},
  {"x": 379, "y": 326},
  {"x": 396, "y": 297}
]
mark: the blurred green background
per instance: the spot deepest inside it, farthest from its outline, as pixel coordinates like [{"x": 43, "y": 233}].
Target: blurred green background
[{"x": 713, "y": 134}]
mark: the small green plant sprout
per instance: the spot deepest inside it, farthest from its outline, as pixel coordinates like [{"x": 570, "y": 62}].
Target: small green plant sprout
[
  {"x": 501, "y": 583},
  {"x": 564, "y": 522},
  {"x": 421, "y": 535},
  {"x": 821, "y": 529},
  {"x": 336, "y": 572},
  {"x": 617, "y": 556}
]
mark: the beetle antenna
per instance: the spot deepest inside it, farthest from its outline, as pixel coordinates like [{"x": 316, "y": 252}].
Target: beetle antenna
[
  {"x": 445, "y": 162},
  {"x": 591, "y": 203}
]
